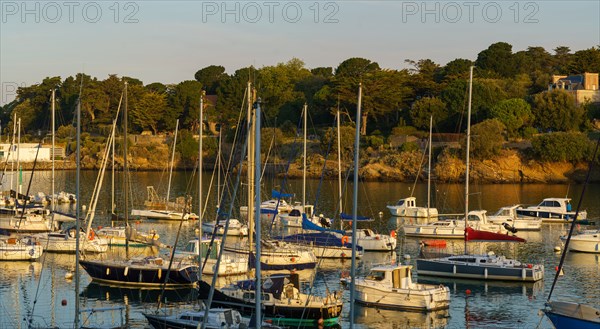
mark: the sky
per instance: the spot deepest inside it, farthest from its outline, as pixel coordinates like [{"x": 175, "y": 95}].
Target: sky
[{"x": 168, "y": 41}]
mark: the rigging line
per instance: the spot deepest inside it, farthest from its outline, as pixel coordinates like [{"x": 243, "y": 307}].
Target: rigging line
[
  {"x": 573, "y": 223},
  {"x": 329, "y": 147},
  {"x": 419, "y": 171}
]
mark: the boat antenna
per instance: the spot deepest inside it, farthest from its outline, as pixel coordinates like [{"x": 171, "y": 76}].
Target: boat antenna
[{"x": 566, "y": 248}]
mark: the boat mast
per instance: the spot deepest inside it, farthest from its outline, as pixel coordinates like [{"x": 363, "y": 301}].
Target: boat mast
[
  {"x": 77, "y": 208},
  {"x": 20, "y": 180},
  {"x": 172, "y": 163},
  {"x": 305, "y": 110},
  {"x": 429, "y": 169},
  {"x": 339, "y": 154},
  {"x": 467, "y": 156},
  {"x": 355, "y": 205},
  {"x": 52, "y": 206},
  {"x": 258, "y": 293},
  {"x": 125, "y": 174},
  {"x": 201, "y": 114},
  {"x": 249, "y": 170}
]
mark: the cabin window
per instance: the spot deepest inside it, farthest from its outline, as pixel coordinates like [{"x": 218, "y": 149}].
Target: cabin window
[
  {"x": 266, "y": 297},
  {"x": 198, "y": 318},
  {"x": 186, "y": 317},
  {"x": 248, "y": 295},
  {"x": 190, "y": 247},
  {"x": 228, "y": 317},
  {"x": 473, "y": 218},
  {"x": 400, "y": 203},
  {"x": 376, "y": 276}
]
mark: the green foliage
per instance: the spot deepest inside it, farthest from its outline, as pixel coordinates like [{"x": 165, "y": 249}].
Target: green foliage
[
  {"x": 375, "y": 141},
  {"x": 562, "y": 146},
  {"x": 424, "y": 108},
  {"x": 347, "y": 134},
  {"x": 404, "y": 131},
  {"x": 528, "y": 132},
  {"x": 486, "y": 139},
  {"x": 409, "y": 147},
  {"x": 270, "y": 137},
  {"x": 288, "y": 128},
  {"x": 497, "y": 60},
  {"x": 187, "y": 147},
  {"x": 587, "y": 60},
  {"x": 513, "y": 113},
  {"x": 210, "y": 77},
  {"x": 556, "y": 111}
]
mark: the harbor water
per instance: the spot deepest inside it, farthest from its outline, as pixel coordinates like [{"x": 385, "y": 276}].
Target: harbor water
[{"x": 42, "y": 293}]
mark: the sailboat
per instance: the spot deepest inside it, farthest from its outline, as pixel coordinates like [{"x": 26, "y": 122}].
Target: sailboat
[
  {"x": 152, "y": 271},
  {"x": 487, "y": 266},
  {"x": 163, "y": 209},
  {"x": 407, "y": 207},
  {"x": 566, "y": 314},
  {"x": 277, "y": 297}
]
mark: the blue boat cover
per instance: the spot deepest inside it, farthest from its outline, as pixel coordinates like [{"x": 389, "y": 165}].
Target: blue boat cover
[
  {"x": 278, "y": 195},
  {"x": 322, "y": 239},
  {"x": 272, "y": 284},
  {"x": 308, "y": 225},
  {"x": 268, "y": 211},
  {"x": 348, "y": 217}
]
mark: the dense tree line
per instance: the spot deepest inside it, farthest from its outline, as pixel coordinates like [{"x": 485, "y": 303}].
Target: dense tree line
[{"x": 509, "y": 88}]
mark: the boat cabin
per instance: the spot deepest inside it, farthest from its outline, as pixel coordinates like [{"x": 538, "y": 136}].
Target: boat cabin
[
  {"x": 410, "y": 202},
  {"x": 397, "y": 276},
  {"x": 191, "y": 249}
]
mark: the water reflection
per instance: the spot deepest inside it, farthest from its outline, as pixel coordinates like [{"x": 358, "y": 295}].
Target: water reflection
[{"x": 372, "y": 317}]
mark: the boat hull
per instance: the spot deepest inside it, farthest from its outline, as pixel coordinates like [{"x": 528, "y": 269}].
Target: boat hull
[
  {"x": 572, "y": 315},
  {"x": 585, "y": 243},
  {"x": 17, "y": 252},
  {"x": 404, "y": 299},
  {"x": 132, "y": 275},
  {"x": 459, "y": 269}
]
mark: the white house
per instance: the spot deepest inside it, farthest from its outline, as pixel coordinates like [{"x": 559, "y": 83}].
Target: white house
[{"x": 26, "y": 152}]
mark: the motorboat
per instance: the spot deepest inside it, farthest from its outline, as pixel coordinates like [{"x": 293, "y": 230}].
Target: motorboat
[
  {"x": 454, "y": 228},
  {"x": 218, "y": 318},
  {"x": 552, "y": 210},
  {"x": 584, "y": 241},
  {"x": 407, "y": 207},
  {"x": 509, "y": 216}
]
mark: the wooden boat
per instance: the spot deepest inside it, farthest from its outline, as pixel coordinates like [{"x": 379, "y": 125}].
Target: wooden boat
[{"x": 391, "y": 287}]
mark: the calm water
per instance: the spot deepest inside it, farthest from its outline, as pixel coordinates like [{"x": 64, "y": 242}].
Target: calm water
[{"x": 37, "y": 290}]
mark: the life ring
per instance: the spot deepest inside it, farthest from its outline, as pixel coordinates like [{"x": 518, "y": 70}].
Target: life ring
[
  {"x": 92, "y": 235},
  {"x": 344, "y": 240},
  {"x": 393, "y": 233}
]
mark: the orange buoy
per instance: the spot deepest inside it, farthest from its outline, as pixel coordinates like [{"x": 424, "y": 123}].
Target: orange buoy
[{"x": 468, "y": 291}]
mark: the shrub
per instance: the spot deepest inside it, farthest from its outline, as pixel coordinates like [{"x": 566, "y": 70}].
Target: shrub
[{"x": 562, "y": 146}]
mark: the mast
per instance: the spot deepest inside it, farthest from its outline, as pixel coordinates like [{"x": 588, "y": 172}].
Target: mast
[
  {"x": 339, "y": 151},
  {"x": 172, "y": 162},
  {"x": 219, "y": 168},
  {"x": 250, "y": 172},
  {"x": 77, "y": 208},
  {"x": 467, "y": 156},
  {"x": 200, "y": 158},
  {"x": 355, "y": 205},
  {"x": 12, "y": 163},
  {"x": 52, "y": 207},
  {"x": 258, "y": 294},
  {"x": 126, "y": 172},
  {"x": 429, "y": 169},
  {"x": 20, "y": 181},
  {"x": 305, "y": 110}
]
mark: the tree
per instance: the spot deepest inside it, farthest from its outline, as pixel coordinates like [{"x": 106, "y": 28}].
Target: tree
[
  {"x": 587, "y": 60},
  {"x": 148, "y": 111},
  {"x": 210, "y": 77},
  {"x": 184, "y": 103},
  {"x": 325, "y": 72},
  {"x": 329, "y": 141},
  {"x": 486, "y": 139},
  {"x": 497, "y": 59},
  {"x": 562, "y": 146},
  {"x": 514, "y": 113},
  {"x": 556, "y": 111},
  {"x": 456, "y": 69},
  {"x": 422, "y": 109},
  {"x": 423, "y": 77}
]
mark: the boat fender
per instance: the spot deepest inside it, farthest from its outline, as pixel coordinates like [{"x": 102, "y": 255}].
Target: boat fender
[
  {"x": 126, "y": 270},
  {"x": 393, "y": 234},
  {"x": 92, "y": 235}
]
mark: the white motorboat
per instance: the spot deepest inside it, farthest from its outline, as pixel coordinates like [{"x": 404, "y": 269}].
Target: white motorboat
[
  {"x": 30, "y": 222},
  {"x": 118, "y": 235},
  {"x": 391, "y": 287},
  {"x": 407, "y": 207},
  {"x": 585, "y": 241},
  {"x": 509, "y": 215},
  {"x": 552, "y": 210},
  {"x": 231, "y": 263},
  {"x": 217, "y": 318},
  {"x": 454, "y": 229},
  {"x": 65, "y": 241},
  {"x": 371, "y": 241},
  {"x": 25, "y": 248},
  {"x": 160, "y": 214},
  {"x": 236, "y": 228}
]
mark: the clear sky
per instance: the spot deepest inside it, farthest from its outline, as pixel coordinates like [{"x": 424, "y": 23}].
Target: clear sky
[{"x": 168, "y": 41}]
